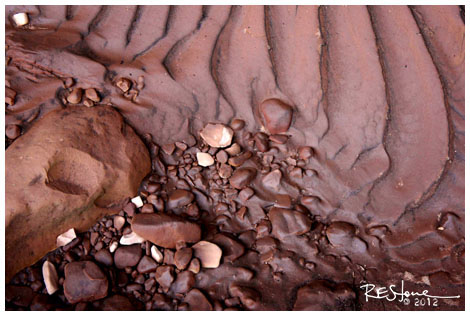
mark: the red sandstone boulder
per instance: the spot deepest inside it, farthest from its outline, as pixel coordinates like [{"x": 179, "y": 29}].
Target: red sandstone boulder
[{"x": 74, "y": 166}]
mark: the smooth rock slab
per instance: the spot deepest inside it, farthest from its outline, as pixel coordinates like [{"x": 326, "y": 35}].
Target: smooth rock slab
[
  {"x": 84, "y": 282},
  {"x": 165, "y": 230},
  {"x": 74, "y": 166}
]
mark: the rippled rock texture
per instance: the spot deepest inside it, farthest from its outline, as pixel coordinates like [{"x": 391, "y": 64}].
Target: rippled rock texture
[{"x": 377, "y": 91}]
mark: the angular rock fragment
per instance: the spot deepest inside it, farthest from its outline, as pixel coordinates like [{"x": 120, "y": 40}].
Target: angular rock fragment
[
  {"x": 204, "y": 159},
  {"x": 165, "y": 230},
  {"x": 84, "y": 281},
  {"x": 21, "y": 19},
  {"x": 137, "y": 201},
  {"x": 146, "y": 265},
  {"x": 65, "y": 238},
  {"x": 130, "y": 209},
  {"x": 127, "y": 256},
  {"x": 194, "y": 266},
  {"x": 165, "y": 276},
  {"x": 182, "y": 257},
  {"x": 51, "y": 280},
  {"x": 242, "y": 177},
  {"x": 124, "y": 84},
  {"x": 71, "y": 168},
  {"x": 217, "y": 135},
  {"x": 272, "y": 180},
  {"x": 156, "y": 254},
  {"x": 184, "y": 282}
]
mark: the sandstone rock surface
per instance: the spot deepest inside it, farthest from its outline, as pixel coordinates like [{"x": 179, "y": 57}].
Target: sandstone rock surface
[{"x": 71, "y": 168}]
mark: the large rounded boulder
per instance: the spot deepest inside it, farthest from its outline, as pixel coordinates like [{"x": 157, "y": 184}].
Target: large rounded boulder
[{"x": 72, "y": 167}]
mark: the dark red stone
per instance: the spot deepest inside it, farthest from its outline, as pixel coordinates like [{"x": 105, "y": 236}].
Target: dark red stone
[
  {"x": 146, "y": 265},
  {"x": 84, "y": 281},
  {"x": 165, "y": 230},
  {"x": 127, "y": 256}
]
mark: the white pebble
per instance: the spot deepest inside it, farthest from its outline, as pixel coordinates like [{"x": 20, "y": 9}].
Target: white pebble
[
  {"x": 113, "y": 246},
  {"x": 66, "y": 237},
  {"x": 51, "y": 279},
  {"x": 204, "y": 159},
  {"x": 137, "y": 201},
  {"x": 156, "y": 254},
  {"x": 131, "y": 239},
  {"x": 21, "y": 19},
  {"x": 217, "y": 135}
]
